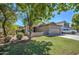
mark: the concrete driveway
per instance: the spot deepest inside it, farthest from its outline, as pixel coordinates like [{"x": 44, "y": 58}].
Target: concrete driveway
[{"x": 71, "y": 36}]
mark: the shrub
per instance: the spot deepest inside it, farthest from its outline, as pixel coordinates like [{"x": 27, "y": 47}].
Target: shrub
[
  {"x": 19, "y": 36},
  {"x": 30, "y": 48}
]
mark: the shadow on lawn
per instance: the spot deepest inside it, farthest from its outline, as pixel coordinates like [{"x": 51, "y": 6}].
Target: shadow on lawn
[{"x": 30, "y": 48}]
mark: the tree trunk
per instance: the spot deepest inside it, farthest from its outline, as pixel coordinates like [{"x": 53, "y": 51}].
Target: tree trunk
[
  {"x": 4, "y": 30},
  {"x": 30, "y": 34},
  {"x": 30, "y": 27},
  {"x": 29, "y": 23},
  {"x": 3, "y": 24}
]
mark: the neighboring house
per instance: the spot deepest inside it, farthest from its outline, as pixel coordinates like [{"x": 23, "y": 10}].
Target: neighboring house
[{"x": 63, "y": 24}]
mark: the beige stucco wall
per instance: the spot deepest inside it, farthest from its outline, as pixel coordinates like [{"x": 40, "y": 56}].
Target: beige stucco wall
[
  {"x": 51, "y": 28},
  {"x": 36, "y": 34},
  {"x": 54, "y": 29},
  {"x": 42, "y": 29}
]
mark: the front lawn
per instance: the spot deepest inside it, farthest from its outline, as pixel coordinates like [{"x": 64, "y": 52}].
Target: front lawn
[
  {"x": 61, "y": 45},
  {"x": 45, "y": 45}
]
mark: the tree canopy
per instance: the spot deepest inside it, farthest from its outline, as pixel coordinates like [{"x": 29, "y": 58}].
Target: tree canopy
[
  {"x": 36, "y": 13},
  {"x": 75, "y": 21}
]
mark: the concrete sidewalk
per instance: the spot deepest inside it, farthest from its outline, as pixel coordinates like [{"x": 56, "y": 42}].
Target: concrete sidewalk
[{"x": 70, "y": 36}]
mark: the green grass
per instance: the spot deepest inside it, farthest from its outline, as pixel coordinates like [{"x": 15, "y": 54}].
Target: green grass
[
  {"x": 61, "y": 45},
  {"x": 45, "y": 45}
]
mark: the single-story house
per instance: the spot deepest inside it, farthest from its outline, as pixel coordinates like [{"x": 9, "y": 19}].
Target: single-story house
[{"x": 51, "y": 28}]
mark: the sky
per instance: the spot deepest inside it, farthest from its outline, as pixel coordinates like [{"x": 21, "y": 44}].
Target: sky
[{"x": 63, "y": 16}]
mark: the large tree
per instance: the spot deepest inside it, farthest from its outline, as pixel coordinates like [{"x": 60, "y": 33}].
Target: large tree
[
  {"x": 7, "y": 16},
  {"x": 36, "y": 13}
]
